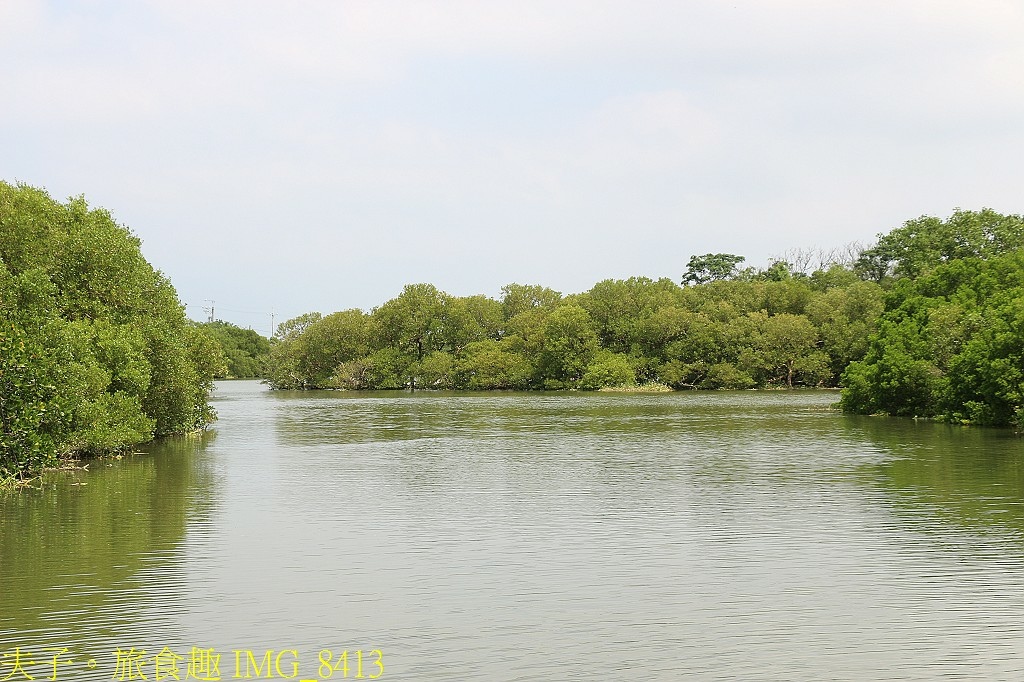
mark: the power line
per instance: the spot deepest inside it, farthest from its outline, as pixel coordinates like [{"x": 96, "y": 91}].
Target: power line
[
  {"x": 211, "y": 316},
  {"x": 245, "y": 312}
]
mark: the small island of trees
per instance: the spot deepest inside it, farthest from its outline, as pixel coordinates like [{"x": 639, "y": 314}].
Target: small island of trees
[{"x": 928, "y": 322}]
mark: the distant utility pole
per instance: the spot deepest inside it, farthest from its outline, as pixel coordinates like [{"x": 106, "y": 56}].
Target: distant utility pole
[
  {"x": 272, "y": 327},
  {"x": 210, "y": 310}
]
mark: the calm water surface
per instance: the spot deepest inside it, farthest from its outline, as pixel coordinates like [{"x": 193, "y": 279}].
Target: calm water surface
[{"x": 733, "y": 535}]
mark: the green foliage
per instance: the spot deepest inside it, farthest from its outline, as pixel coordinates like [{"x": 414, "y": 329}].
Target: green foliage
[
  {"x": 412, "y": 323},
  {"x": 488, "y": 314},
  {"x": 112, "y": 421},
  {"x": 287, "y": 364},
  {"x": 777, "y": 271},
  {"x": 332, "y": 340},
  {"x": 489, "y": 365},
  {"x": 437, "y": 370},
  {"x": 950, "y": 344},
  {"x": 246, "y": 352},
  {"x": 608, "y": 369},
  {"x": 722, "y": 334},
  {"x": 620, "y": 308},
  {"x": 295, "y": 327},
  {"x": 836, "y": 277},
  {"x": 711, "y": 267},
  {"x": 925, "y": 243},
  {"x": 518, "y": 298},
  {"x": 31, "y": 412},
  {"x": 97, "y": 353},
  {"x": 387, "y": 368},
  {"x": 570, "y": 344},
  {"x": 845, "y": 318},
  {"x": 528, "y": 328},
  {"x": 784, "y": 349}
]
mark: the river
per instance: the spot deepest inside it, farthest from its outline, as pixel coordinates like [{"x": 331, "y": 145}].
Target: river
[{"x": 511, "y": 536}]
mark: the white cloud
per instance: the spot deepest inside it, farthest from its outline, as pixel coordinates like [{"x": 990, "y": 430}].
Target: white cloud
[{"x": 418, "y": 136}]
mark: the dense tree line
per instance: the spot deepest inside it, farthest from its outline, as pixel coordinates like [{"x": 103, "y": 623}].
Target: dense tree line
[
  {"x": 734, "y": 330},
  {"x": 95, "y": 351},
  {"x": 245, "y": 352},
  {"x": 929, "y": 321},
  {"x": 950, "y": 342}
]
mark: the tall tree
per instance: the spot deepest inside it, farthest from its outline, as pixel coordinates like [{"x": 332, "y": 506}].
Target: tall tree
[
  {"x": 924, "y": 243},
  {"x": 711, "y": 267},
  {"x": 412, "y": 322}
]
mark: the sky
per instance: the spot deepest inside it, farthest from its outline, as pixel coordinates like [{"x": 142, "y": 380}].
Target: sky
[{"x": 318, "y": 156}]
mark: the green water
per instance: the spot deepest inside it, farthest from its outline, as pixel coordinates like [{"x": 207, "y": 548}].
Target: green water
[{"x": 733, "y": 535}]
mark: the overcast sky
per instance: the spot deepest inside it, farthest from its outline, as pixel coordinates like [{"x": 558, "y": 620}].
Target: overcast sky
[{"x": 298, "y": 156}]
